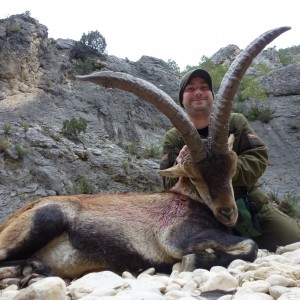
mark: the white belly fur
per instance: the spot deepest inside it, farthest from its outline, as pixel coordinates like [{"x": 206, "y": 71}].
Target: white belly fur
[{"x": 64, "y": 260}]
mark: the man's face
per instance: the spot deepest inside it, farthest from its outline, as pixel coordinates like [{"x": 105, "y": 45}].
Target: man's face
[{"x": 197, "y": 97}]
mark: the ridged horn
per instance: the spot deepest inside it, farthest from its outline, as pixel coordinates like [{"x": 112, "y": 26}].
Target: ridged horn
[
  {"x": 219, "y": 122},
  {"x": 163, "y": 102}
]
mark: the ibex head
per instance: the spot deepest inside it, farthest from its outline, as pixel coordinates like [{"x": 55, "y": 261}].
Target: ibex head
[{"x": 206, "y": 173}]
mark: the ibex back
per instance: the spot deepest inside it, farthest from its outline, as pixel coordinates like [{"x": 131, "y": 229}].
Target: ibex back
[{"x": 77, "y": 234}]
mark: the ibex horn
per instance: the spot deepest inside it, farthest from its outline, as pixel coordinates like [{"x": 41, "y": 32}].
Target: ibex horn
[{"x": 219, "y": 122}]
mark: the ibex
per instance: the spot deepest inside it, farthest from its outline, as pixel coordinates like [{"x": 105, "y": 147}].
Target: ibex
[{"x": 76, "y": 234}]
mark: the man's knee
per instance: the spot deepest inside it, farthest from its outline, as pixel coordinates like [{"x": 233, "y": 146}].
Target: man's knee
[{"x": 276, "y": 223}]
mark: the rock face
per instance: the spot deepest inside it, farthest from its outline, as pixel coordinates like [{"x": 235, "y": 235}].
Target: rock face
[
  {"x": 38, "y": 93},
  {"x": 283, "y": 82}
]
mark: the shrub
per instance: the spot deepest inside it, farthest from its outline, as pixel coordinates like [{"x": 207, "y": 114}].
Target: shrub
[
  {"x": 94, "y": 40},
  {"x": 257, "y": 112},
  {"x": 81, "y": 51},
  {"x": 250, "y": 88},
  {"x": 82, "y": 186},
  {"x": 151, "y": 151},
  {"x": 131, "y": 148},
  {"x": 12, "y": 27},
  {"x": 262, "y": 70},
  {"x": 84, "y": 67},
  {"x": 25, "y": 127},
  {"x": 73, "y": 127},
  {"x": 289, "y": 55},
  {"x": 21, "y": 151},
  {"x": 7, "y": 129},
  {"x": 173, "y": 66},
  {"x": 4, "y": 144}
]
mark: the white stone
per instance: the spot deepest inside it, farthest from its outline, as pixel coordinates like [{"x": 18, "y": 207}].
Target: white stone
[
  {"x": 180, "y": 281},
  {"x": 288, "y": 248},
  {"x": 293, "y": 294},
  {"x": 200, "y": 276},
  {"x": 127, "y": 275},
  {"x": 50, "y": 288},
  {"x": 100, "y": 292},
  {"x": 190, "y": 286},
  {"x": 174, "y": 274},
  {"x": 247, "y": 276},
  {"x": 276, "y": 291},
  {"x": 173, "y": 287},
  {"x": 9, "y": 294},
  {"x": 137, "y": 295},
  {"x": 149, "y": 271},
  {"x": 218, "y": 269},
  {"x": 147, "y": 284},
  {"x": 186, "y": 276},
  {"x": 272, "y": 257},
  {"x": 179, "y": 295},
  {"x": 105, "y": 280},
  {"x": 242, "y": 295},
  {"x": 225, "y": 297},
  {"x": 237, "y": 263},
  {"x": 260, "y": 286},
  {"x": 277, "y": 279},
  {"x": 193, "y": 298},
  {"x": 220, "y": 281},
  {"x": 200, "y": 272},
  {"x": 11, "y": 287},
  {"x": 163, "y": 278}
]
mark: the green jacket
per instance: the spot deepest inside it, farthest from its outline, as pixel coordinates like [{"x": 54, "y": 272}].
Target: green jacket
[{"x": 252, "y": 158}]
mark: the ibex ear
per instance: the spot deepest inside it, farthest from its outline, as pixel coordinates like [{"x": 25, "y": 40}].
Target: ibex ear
[
  {"x": 230, "y": 141},
  {"x": 173, "y": 172}
]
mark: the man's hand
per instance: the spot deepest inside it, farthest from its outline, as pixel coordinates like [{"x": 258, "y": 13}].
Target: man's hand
[
  {"x": 230, "y": 141},
  {"x": 182, "y": 153}
]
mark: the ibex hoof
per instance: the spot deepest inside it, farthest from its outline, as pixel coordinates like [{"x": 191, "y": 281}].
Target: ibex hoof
[{"x": 188, "y": 263}]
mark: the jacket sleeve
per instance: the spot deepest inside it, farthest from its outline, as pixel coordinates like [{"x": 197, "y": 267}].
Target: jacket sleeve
[
  {"x": 171, "y": 146},
  {"x": 252, "y": 154}
]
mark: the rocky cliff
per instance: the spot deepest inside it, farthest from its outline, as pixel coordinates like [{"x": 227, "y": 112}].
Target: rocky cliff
[{"x": 119, "y": 150}]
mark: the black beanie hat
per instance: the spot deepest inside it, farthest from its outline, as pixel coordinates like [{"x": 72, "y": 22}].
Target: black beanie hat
[{"x": 185, "y": 80}]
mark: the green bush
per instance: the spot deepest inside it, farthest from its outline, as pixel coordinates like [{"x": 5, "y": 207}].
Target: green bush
[
  {"x": 250, "y": 88},
  {"x": 82, "y": 186},
  {"x": 4, "y": 144},
  {"x": 131, "y": 148},
  {"x": 262, "y": 69},
  {"x": 256, "y": 112},
  {"x": 73, "y": 127},
  {"x": 21, "y": 151},
  {"x": 84, "y": 67},
  {"x": 94, "y": 40},
  {"x": 173, "y": 66},
  {"x": 7, "y": 129},
  {"x": 152, "y": 151},
  {"x": 289, "y": 55}
]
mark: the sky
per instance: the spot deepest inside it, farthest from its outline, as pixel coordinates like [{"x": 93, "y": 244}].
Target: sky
[{"x": 181, "y": 30}]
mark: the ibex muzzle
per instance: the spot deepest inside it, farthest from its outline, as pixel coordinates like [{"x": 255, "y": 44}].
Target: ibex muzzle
[{"x": 81, "y": 233}]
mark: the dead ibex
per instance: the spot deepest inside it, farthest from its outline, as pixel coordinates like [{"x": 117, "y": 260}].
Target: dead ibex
[{"x": 76, "y": 234}]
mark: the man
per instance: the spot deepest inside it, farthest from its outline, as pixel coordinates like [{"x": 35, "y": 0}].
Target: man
[{"x": 265, "y": 224}]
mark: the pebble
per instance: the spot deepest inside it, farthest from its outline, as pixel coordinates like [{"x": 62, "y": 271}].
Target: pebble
[{"x": 272, "y": 276}]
